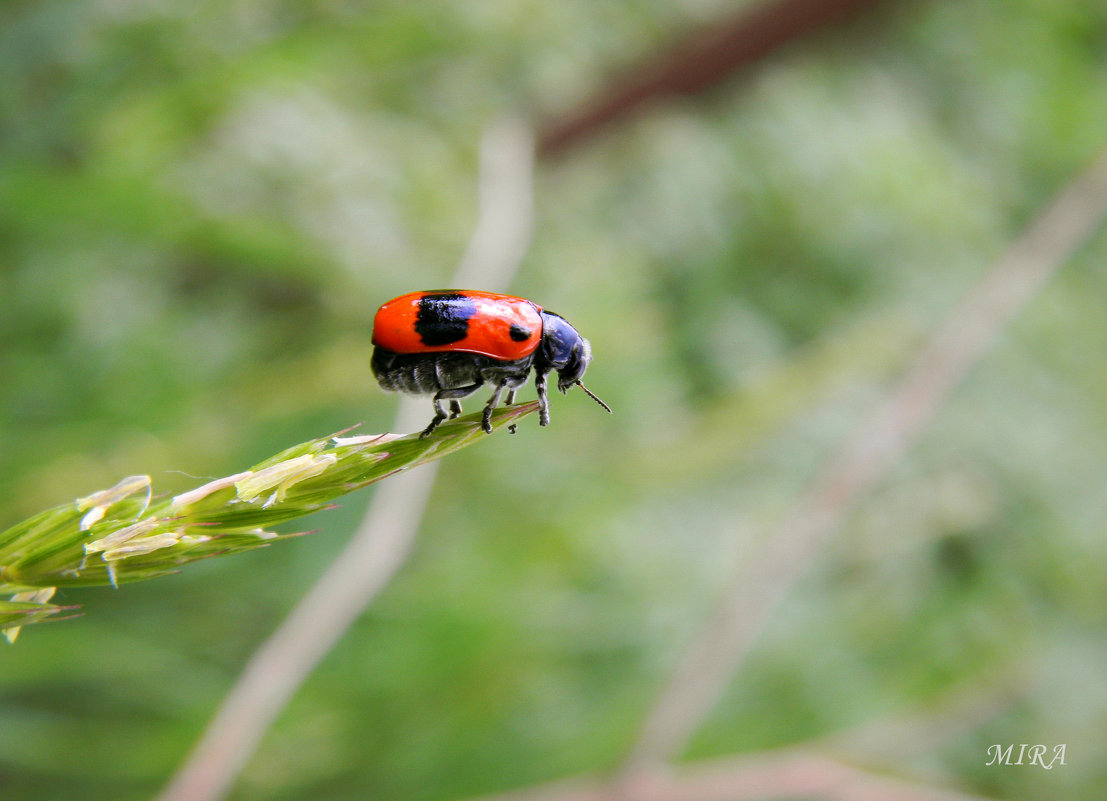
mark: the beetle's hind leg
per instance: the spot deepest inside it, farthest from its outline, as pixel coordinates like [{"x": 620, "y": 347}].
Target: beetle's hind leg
[
  {"x": 486, "y": 419},
  {"x": 453, "y": 396}
]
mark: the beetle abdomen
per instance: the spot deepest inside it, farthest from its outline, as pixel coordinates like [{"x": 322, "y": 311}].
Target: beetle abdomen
[{"x": 426, "y": 373}]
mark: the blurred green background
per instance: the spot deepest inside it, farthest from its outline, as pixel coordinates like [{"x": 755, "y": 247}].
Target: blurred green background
[{"x": 201, "y": 205}]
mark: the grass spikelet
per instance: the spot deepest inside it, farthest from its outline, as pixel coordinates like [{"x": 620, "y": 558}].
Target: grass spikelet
[{"x": 124, "y": 533}]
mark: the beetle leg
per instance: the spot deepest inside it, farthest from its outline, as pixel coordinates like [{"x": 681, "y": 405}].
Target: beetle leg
[
  {"x": 452, "y": 395},
  {"x": 543, "y": 401},
  {"x": 507, "y": 402},
  {"x": 486, "y": 420},
  {"x": 439, "y": 416},
  {"x": 455, "y": 409}
]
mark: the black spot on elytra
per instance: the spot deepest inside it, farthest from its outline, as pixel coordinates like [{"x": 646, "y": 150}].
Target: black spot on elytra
[
  {"x": 443, "y": 319},
  {"x": 518, "y": 333}
]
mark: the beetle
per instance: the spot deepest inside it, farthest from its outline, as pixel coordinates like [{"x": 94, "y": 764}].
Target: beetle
[{"x": 452, "y": 342}]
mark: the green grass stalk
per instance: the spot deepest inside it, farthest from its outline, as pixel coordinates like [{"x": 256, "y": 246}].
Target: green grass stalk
[{"x": 126, "y": 533}]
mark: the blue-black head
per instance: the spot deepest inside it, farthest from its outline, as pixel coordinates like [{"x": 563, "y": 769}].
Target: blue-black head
[{"x": 563, "y": 349}]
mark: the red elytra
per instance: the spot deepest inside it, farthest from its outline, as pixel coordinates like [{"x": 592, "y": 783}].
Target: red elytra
[{"x": 501, "y": 327}]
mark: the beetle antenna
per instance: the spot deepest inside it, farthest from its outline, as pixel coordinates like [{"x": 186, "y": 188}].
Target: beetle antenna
[{"x": 588, "y": 392}]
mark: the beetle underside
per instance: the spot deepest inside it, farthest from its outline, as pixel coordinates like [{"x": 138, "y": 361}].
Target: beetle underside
[{"x": 452, "y": 375}]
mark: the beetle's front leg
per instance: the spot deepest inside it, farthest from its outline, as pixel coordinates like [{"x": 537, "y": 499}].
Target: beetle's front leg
[
  {"x": 543, "y": 400},
  {"x": 508, "y": 402}
]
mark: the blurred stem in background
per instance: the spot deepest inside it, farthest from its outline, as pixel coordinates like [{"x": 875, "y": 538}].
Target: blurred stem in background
[
  {"x": 383, "y": 541},
  {"x": 696, "y": 64},
  {"x": 786, "y": 773},
  {"x": 880, "y": 440}
]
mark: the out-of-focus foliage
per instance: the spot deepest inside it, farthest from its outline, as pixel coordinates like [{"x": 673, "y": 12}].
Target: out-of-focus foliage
[{"x": 202, "y": 203}]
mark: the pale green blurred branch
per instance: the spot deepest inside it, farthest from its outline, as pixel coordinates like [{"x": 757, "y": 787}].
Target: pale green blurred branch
[
  {"x": 384, "y": 539},
  {"x": 784, "y": 773},
  {"x": 710, "y": 659}
]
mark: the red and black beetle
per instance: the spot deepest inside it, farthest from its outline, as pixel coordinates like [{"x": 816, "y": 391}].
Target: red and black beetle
[{"x": 452, "y": 342}]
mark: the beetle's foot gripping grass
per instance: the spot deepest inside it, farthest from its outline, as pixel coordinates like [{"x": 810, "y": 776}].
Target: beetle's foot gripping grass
[{"x": 435, "y": 421}]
